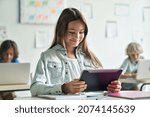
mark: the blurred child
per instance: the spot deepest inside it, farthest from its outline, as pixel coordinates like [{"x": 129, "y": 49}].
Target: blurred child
[
  {"x": 8, "y": 54},
  {"x": 130, "y": 64}
]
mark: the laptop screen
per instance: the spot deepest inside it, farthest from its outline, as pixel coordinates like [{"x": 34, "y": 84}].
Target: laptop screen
[{"x": 143, "y": 71}]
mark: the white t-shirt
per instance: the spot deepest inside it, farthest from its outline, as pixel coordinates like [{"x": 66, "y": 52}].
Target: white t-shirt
[{"x": 74, "y": 68}]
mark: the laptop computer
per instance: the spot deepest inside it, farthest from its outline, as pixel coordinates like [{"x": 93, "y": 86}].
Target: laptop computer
[
  {"x": 14, "y": 73},
  {"x": 98, "y": 80},
  {"x": 143, "y": 71}
]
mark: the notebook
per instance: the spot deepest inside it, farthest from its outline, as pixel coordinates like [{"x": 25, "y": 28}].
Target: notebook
[
  {"x": 143, "y": 71},
  {"x": 93, "y": 93},
  {"x": 14, "y": 73},
  {"x": 131, "y": 94},
  {"x": 98, "y": 80}
]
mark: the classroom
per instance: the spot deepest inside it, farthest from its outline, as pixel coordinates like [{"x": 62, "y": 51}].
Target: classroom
[{"x": 112, "y": 25}]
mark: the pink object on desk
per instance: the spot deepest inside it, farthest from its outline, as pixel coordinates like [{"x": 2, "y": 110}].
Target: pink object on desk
[{"x": 131, "y": 94}]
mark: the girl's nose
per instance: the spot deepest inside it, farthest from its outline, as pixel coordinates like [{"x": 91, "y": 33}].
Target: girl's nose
[{"x": 77, "y": 35}]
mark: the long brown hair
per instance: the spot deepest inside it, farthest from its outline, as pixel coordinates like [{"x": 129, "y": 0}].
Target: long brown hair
[{"x": 68, "y": 15}]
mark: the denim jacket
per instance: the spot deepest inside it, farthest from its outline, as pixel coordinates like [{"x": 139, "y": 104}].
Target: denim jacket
[{"x": 52, "y": 70}]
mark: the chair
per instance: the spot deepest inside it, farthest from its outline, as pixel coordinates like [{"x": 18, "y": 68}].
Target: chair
[{"x": 141, "y": 88}]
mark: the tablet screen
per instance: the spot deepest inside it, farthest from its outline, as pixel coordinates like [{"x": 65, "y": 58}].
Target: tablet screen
[{"x": 98, "y": 80}]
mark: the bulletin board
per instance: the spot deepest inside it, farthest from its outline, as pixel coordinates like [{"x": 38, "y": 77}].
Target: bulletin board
[{"x": 40, "y": 11}]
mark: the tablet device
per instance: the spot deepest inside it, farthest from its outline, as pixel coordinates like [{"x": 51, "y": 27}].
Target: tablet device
[{"x": 98, "y": 80}]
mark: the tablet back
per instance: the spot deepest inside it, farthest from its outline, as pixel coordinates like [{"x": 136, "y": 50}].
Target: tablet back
[{"x": 98, "y": 80}]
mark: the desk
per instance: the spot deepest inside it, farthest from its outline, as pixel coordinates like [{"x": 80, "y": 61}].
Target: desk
[
  {"x": 141, "y": 88},
  {"x": 15, "y": 87},
  {"x": 136, "y": 81},
  {"x": 83, "y": 96},
  {"x": 89, "y": 98},
  {"x": 122, "y": 95}
]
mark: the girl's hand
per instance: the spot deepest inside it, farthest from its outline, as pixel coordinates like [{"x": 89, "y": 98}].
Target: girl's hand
[
  {"x": 74, "y": 87},
  {"x": 114, "y": 86}
]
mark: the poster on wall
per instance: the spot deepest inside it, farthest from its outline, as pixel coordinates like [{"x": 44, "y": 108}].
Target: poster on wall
[
  {"x": 146, "y": 14},
  {"x": 111, "y": 31},
  {"x": 121, "y": 9},
  {"x": 87, "y": 9},
  {"x": 3, "y": 33},
  {"x": 42, "y": 39},
  {"x": 40, "y": 11}
]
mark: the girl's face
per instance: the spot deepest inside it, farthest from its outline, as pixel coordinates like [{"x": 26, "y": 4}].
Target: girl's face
[
  {"x": 75, "y": 34},
  {"x": 134, "y": 56},
  {"x": 8, "y": 55}
]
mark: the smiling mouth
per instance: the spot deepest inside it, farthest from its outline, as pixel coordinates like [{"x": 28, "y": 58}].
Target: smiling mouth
[{"x": 74, "y": 41}]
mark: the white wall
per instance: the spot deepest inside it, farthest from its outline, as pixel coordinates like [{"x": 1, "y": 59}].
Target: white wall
[{"x": 110, "y": 51}]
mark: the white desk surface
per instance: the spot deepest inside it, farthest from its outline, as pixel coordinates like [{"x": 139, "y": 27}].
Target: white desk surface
[
  {"x": 15, "y": 87},
  {"x": 84, "y": 96},
  {"x": 91, "y": 98}
]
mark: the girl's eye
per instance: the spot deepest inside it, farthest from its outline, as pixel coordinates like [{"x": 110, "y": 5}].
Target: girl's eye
[
  {"x": 81, "y": 32},
  {"x": 72, "y": 32}
]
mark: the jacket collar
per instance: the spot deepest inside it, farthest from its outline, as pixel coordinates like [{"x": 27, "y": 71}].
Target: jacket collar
[{"x": 59, "y": 47}]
